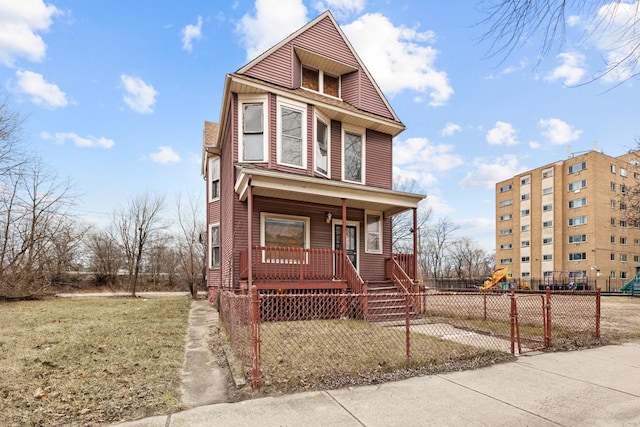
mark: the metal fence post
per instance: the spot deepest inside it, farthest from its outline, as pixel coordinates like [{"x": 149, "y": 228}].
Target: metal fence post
[
  {"x": 407, "y": 321},
  {"x": 598, "y": 313},
  {"x": 255, "y": 337},
  {"x": 547, "y": 332},
  {"x": 513, "y": 322}
]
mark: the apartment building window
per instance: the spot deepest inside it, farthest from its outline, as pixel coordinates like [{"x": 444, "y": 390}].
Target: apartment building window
[
  {"x": 546, "y": 208},
  {"x": 524, "y": 196},
  {"x": 613, "y": 239},
  {"x": 578, "y": 238},
  {"x": 548, "y": 190},
  {"x": 577, "y": 167},
  {"x": 613, "y": 168},
  {"x": 577, "y": 256},
  {"x": 623, "y": 257},
  {"x": 525, "y": 243},
  {"x": 253, "y": 139},
  {"x": 547, "y": 274},
  {"x": 506, "y": 203},
  {"x": 547, "y": 240},
  {"x": 547, "y": 224},
  {"x": 547, "y": 173},
  {"x": 505, "y": 188},
  {"x": 547, "y": 257},
  {"x": 612, "y": 185},
  {"x": 505, "y": 217},
  {"x": 506, "y": 231},
  {"x": 613, "y": 204},
  {"x": 506, "y": 246},
  {"x": 623, "y": 274},
  {"x": 525, "y": 259},
  {"x": 623, "y": 223},
  {"x": 577, "y": 203},
  {"x": 612, "y": 256},
  {"x": 623, "y": 189},
  {"x": 577, "y": 274},
  {"x": 577, "y": 185},
  {"x": 636, "y": 242},
  {"x": 506, "y": 261},
  {"x": 623, "y": 240},
  {"x": 623, "y": 172},
  {"x": 578, "y": 220},
  {"x": 526, "y": 180},
  {"x": 623, "y": 206},
  {"x": 636, "y": 175},
  {"x": 526, "y": 274},
  {"x": 612, "y": 274},
  {"x": 353, "y": 155},
  {"x": 636, "y": 258},
  {"x": 525, "y": 227},
  {"x": 525, "y": 212},
  {"x": 612, "y": 221}
]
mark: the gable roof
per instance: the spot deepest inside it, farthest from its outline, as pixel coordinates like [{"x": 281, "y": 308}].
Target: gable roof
[{"x": 309, "y": 53}]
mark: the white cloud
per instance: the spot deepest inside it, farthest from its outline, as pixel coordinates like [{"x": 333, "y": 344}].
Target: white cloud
[
  {"x": 82, "y": 142},
  {"x": 190, "y": 33},
  {"x": 437, "y": 204},
  {"x": 513, "y": 68},
  {"x": 20, "y": 22},
  {"x": 139, "y": 96},
  {"x": 486, "y": 172},
  {"x": 165, "y": 155},
  {"x": 614, "y": 32},
  {"x": 571, "y": 71},
  {"x": 420, "y": 154},
  {"x": 421, "y": 177},
  {"x": 573, "y": 20},
  {"x": 502, "y": 134},
  {"x": 534, "y": 145},
  {"x": 273, "y": 21},
  {"x": 340, "y": 8},
  {"x": 399, "y": 58},
  {"x": 557, "y": 131},
  {"x": 449, "y": 129},
  {"x": 41, "y": 92}
]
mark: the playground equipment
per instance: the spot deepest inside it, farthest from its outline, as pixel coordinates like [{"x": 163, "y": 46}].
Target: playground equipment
[
  {"x": 502, "y": 279},
  {"x": 632, "y": 285}
]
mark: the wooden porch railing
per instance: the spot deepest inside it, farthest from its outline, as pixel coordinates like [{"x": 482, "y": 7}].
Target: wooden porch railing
[
  {"x": 282, "y": 263},
  {"x": 405, "y": 261},
  {"x": 401, "y": 278},
  {"x": 354, "y": 281}
]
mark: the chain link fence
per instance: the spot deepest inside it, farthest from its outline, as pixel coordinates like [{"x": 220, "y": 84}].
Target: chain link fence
[{"x": 320, "y": 339}]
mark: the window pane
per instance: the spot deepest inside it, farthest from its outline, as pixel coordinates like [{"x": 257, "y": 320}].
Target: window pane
[
  {"x": 284, "y": 232},
  {"x": 253, "y": 147},
  {"x": 353, "y": 157},
  {"x": 291, "y": 136},
  {"x": 252, "y": 126},
  {"x": 310, "y": 79},
  {"x": 321, "y": 147},
  {"x": 331, "y": 85},
  {"x": 252, "y": 119}
]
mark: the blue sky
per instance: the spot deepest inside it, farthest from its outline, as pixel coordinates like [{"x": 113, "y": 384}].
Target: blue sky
[{"x": 115, "y": 93}]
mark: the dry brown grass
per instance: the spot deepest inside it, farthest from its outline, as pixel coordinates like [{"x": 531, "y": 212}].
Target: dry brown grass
[
  {"x": 620, "y": 319},
  {"x": 86, "y": 361}
]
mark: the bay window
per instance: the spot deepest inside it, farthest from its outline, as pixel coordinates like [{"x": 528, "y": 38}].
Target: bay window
[
  {"x": 292, "y": 134},
  {"x": 252, "y": 112},
  {"x": 321, "y": 157},
  {"x": 353, "y": 154}
]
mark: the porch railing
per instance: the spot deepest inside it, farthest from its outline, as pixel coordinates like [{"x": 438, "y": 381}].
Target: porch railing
[
  {"x": 404, "y": 261},
  {"x": 401, "y": 278},
  {"x": 282, "y": 263},
  {"x": 354, "y": 281}
]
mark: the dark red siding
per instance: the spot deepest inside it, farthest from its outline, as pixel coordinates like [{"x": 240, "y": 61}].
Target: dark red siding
[{"x": 378, "y": 167}]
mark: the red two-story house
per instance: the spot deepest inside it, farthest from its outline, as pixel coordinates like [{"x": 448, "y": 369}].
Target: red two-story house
[{"x": 299, "y": 173}]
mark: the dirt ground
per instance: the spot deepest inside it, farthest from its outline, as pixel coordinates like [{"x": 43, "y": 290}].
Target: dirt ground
[{"x": 620, "y": 319}]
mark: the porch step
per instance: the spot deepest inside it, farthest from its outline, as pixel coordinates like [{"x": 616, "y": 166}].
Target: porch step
[{"x": 386, "y": 302}]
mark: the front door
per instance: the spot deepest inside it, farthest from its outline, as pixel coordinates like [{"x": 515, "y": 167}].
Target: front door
[{"x": 352, "y": 241}]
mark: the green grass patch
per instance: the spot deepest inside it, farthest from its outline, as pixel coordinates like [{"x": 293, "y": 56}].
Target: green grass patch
[{"x": 85, "y": 361}]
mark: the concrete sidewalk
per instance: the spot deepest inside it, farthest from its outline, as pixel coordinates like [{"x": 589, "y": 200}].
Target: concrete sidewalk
[{"x": 595, "y": 387}]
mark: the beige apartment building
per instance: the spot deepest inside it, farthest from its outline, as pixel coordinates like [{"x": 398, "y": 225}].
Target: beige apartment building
[{"x": 566, "y": 222}]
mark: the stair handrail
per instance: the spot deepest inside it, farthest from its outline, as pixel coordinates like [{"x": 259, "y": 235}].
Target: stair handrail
[
  {"x": 354, "y": 281},
  {"x": 397, "y": 270}
]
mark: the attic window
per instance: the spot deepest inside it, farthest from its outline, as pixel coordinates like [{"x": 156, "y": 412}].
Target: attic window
[{"x": 319, "y": 81}]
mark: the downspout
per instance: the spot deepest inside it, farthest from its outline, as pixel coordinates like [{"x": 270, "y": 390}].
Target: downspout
[{"x": 249, "y": 234}]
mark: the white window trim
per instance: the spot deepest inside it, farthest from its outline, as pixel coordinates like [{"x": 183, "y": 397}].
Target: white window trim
[
  {"x": 366, "y": 240},
  {"x": 211, "y": 226},
  {"x": 362, "y": 132},
  {"x": 307, "y": 230},
  {"x": 326, "y": 121},
  {"x": 211, "y": 160},
  {"x": 244, "y": 99},
  {"x": 283, "y": 102}
]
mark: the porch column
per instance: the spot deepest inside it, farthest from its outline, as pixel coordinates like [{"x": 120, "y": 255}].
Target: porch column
[
  {"x": 344, "y": 229},
  {"x": 415, "y": 244},
  {"x": 249, "y": 235}
]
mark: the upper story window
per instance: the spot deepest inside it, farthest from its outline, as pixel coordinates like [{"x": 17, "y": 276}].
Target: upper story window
[
  {"x": 505, "y": 217},
  {"x": 373, "y": 243},
  {"x": 322, "y": 146},
  {"x": 577, "y": 256},
  {"x": 548, "y": 190},
  {"x": 506, "y": 246},
  {"x": 613, "y": 168},
  {"x": 506, "y": 260},
  {"x": 525, "y": 212},
  {"x": 524, "y": 196},
  {"x": 577, "y": 203},
  {"x": 525, "y": 227},
  {"x": 506, "y": 232},
  {"x": 292, "y": 134},
  {"x": 547, "y": 240},
  {"x": 506, "y": 188},
  {"x": 612, "y": 186},
  {"x": 353, "y": 155},
  {"x": 526, "y": 180},
  {"x": 525, "y": 243},
  {"x": 623, "y": 172},
  {"x": 320, "y": 81},
  {"x": 547, "y": 173},
  {"x": 579, "y": 220},
  {"x": 578, "y": 238},
  {"x": 506, "y": 203},
  {"x": 577, "y": 185},
  {"x": 214, "y": 178},
  {"x": 547, "y": 207},
  {"x": 547, "y": 224},
  {"x": 577, "y": 167},
  {"x": 252, "y": 131}
]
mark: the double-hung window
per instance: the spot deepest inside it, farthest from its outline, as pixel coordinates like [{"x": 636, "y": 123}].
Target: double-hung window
[
  {"x": 214, "y": 178},
  {"x": 292, "y": 134},
  {"x": 322, "y": 146},
  {"x": 214, "y": 245},
  {"x": 252, "y": 129},
  {"x": 374, "y": 232},
  {"x": 353, "y": 155}
]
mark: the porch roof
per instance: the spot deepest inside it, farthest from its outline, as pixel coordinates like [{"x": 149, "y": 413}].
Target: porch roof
[{"x": 282, "y": 185}]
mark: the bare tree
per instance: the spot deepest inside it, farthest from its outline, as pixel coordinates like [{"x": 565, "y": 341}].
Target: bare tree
[
  {"x": 191, "y": 245},
  {"x": 402, "y": 224},
  {"x": 135, "y": 226},
  {"x": 105, "y": 257},
  {"x": 436, "y": 241},
  {"x": 512, "y": 23},
  {"x": 469, "y": 259}
]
